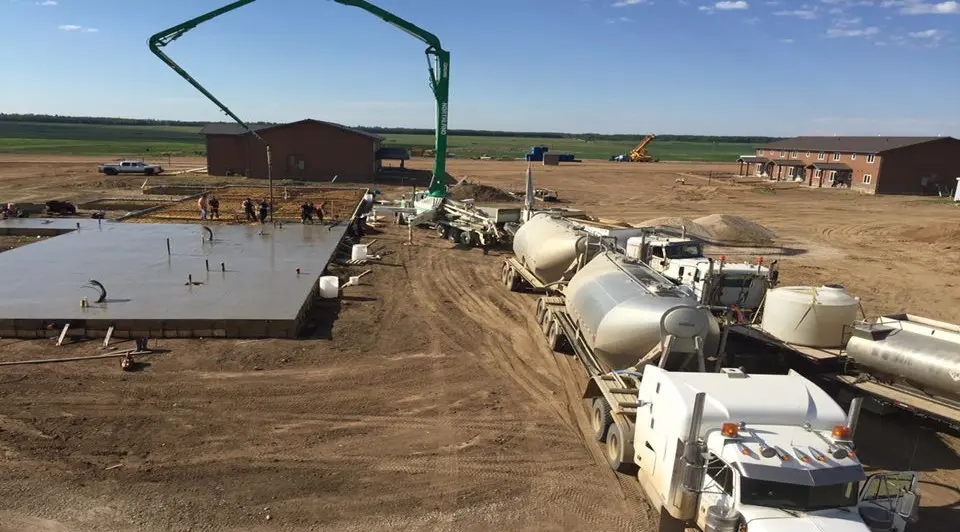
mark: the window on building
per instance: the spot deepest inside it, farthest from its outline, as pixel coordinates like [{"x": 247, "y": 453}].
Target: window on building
[
  {"x": 819, "y": 173},
  {"x": 867, "y": 178},
  {"x": 853, "y": 156},
  {"x": 833, "y": 174},
  {"x": 793, "y": 155},
  {"x": 821, "y": 156},
  {"x": 808, "y": 154},
  {"x": 759, "y": 152},
  {"x": 871, "y": 158},
  {"x": 836, "y": 156},
  {"x": 783, "y": 153}
]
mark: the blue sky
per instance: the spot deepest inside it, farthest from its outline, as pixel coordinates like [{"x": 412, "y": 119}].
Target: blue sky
[{"x": 609, "y": 66}]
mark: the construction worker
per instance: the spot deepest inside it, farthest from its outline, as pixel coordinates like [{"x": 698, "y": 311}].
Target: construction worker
[
  {"x": 318, "y": 209},
  {"x": 203, "y": 204},
  {"x": 306, "y": 213},
  {"x": 214, "y": 208},
  {"x": 248, "y": 210},
  {"x": 263, "y": 211}
]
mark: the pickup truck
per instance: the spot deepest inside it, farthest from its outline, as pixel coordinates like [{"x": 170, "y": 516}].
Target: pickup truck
[{"x": 130, "y": 167}]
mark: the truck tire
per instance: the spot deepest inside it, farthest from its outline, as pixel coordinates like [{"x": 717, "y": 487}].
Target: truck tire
[
  {"x": 503, "y": 273},
  {"x": 467, "y": 238},
  {"x": 541, "y": 313},
  {"x": 148, "y": 171},
  {"x": 110, "y": 171},
  {"x": 618, "y": 450},
  {"x": 441, "y": 231},
  {"x": 553, "y": 335},
  {"x": 453, "y": 234},
  {"x": 513, "y": 284},
  {"x": 600, "y": 419}
]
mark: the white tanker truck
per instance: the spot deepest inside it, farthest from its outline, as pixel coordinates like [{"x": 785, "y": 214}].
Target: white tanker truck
[{"x": 724, "y": 452}]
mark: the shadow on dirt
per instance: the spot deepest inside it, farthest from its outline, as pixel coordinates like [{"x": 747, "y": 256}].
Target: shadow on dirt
[{"x": 319, "y": 320}]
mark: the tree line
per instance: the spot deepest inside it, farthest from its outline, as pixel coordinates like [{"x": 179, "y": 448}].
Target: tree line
[{"x": 586, "y": 137}]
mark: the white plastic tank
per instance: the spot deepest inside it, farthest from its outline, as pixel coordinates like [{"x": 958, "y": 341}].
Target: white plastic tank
[
  {"x": 359, "y": 252},
  {"x": 548, "y": 246},
  {"x": 809, "y": 316},
  {"x": 329, "y": 286}
]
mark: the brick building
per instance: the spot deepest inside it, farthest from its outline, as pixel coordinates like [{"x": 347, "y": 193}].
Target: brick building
[
  {"x": 308, "y": 150},
  {"x": 875, "y": 165}
]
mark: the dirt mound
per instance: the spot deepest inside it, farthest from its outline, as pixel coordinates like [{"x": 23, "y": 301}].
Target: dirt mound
[
  {"x": 732, "y": 229},
  {"x": 465, "y": 190},
  {"x": 675, "y": 222},
  {"x": 945, "y": 233}
]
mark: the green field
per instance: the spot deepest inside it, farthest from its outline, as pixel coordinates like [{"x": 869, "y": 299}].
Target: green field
[{"x": 149, "y": 140}]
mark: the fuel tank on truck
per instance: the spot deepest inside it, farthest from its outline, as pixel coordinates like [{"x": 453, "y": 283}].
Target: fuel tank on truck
[
  {"x": 548, "y": 245},
  {"x": 922, "y": 352},
  {"x": 618, "y": 304}
]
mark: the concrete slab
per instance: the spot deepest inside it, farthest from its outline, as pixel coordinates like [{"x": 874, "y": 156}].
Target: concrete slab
[{"x": 259, "y": 295}]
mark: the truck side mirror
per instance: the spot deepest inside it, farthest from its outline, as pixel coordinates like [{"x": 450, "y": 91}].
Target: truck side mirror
[
  {"x": 696, "y": 276},
  {"x": 908, "y": 506}
]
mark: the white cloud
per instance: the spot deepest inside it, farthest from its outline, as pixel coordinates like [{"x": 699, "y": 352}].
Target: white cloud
[
  {"x": 920, "y": 8},
  {"x": 807, "y": 14},
  {"x": 752, "y": 20},
  {"x": 725, "y": 6},
  {"x": 787, "y": 41},
  {"x": 74, "y": 27},
  {"x": 930, "y": 38},
  {"x": 848, "y": 21},
  {"x": 851, "y": 32},
  {"x": 622, "y": 3},
  {"x": 47, "y": 3},
  {"x": 619, "y": 19}
]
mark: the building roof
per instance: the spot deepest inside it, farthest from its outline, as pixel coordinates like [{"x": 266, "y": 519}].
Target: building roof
[
  {"x": 848, "y": 144},
  {"x": 787, "y": 162},
  {"x": 394, "y": 153},
  {"x": 831, "y": 166},
  {"x": 751, "y": 159},
  {"x": 236, "y": 129}
]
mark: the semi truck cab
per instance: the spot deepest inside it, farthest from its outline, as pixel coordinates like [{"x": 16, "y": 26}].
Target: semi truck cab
[
  {"x": 715, "y": 282},
  {"x": 760, "y": 453}
]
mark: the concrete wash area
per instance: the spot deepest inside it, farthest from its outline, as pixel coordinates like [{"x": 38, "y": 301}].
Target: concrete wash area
[{"x": 258, "y": 295}]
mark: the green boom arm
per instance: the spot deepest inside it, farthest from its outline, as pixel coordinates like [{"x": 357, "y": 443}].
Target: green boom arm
[{"x": 438, "y": 64}]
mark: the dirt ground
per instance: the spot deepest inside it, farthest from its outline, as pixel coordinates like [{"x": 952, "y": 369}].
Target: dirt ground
[{"x": 426, "y": 398}]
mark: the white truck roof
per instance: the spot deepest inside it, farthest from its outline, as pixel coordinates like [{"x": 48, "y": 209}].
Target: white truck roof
[{"x": 753, "y": 399}]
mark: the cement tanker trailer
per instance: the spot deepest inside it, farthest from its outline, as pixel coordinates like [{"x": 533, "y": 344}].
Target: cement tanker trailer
[{"x": 906, "y": 362}]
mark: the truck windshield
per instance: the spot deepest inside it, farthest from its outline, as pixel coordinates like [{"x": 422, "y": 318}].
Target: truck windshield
[
  {"x": 685, "y": 251},
  {"x": 797, "y": 497}
]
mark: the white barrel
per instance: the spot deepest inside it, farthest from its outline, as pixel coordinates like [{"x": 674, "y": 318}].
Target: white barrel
[
  {"x": 329, "y": 286},
  {"x": 359, "y": 252},
  {"x": 809, "y": 316}
]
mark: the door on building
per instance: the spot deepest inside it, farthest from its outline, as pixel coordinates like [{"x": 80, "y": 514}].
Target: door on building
[{"x": 296, "y": 166}]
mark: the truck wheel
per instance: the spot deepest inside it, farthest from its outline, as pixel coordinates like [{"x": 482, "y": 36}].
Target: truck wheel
[
  {"x": 467, "y": 238},
  {"x": 454, "y": 234},
  {"x": 110, "y": 171},
  {"x": 513, "y": 283},
  {"x": 618, "y": 450},
  {"x": 553, "y": 335},
  {"x": 600, "y": 419},
  {"x": 503, "y": 273},
  {"x": 441, "y": 231},
  {"x": 541, "y": 313},
  {"x": 148, "y": 171}
]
